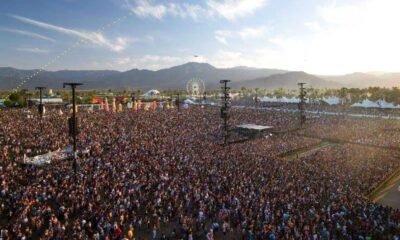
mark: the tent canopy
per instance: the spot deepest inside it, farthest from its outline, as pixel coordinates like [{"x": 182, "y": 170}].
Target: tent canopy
[
  {"x": 366, "y": 103},
  {"x": 152, "y": 92},
  {"x": 188, "y": 101},
  {"x": 331, "y": 100},
  {"x": 280, "y": 100}
]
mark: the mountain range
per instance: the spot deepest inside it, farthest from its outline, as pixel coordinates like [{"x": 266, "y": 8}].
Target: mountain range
[{"x": 177, "y": 77}]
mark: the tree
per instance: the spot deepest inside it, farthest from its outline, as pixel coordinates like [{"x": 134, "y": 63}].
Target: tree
[
  {"x": 8, "y": 103},
  {"x": 17, "y": 99}
]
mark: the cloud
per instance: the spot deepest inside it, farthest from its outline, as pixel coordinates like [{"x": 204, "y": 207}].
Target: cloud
[
  {"x": 352, "y": 37},
  {"x": 123, "y": 61},
  {"x": 229, "y": 9},
  {"x": 234, "y": 9},
  {"x": 251, "y": 32},
  {"x": 187, "y": 10},
  {"x": 358, "y": 37},
  {"x": 117, "y": 45},
  {"x": 147, "y": 8},
  {"x": 27, "y": 33},
  {"x": 33, "y": 50},
  {"x": 222, "y": 35},
  {"x": 226, "y": 59},
  {"x": 313, "y": 26},
  {"x": 144, "y": 8},
  {"x": 245, "y": 33}
]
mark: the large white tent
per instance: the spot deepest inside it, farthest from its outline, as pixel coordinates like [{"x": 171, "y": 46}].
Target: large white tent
[
  {"x": 280, "y": 100},
  {"x": 384, "y": 104},
  {"x": 151, "y": 93},
  {"x": 188, "y": 101},
  {"x": 268, "y": 99},
  {"x": 366, "y": 103},
  {"x": 331, "y": 100}
]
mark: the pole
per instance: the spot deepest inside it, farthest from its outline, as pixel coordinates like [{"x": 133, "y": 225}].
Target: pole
[
  {"x": 74, "y": 116},
  {"x": 302, "y": 103},
  {"x": 343, "y": 100},
  {"x": 225, "y": 109},
  {"x": 41, "y": 107},
  {"x": 73, "y": 122}
]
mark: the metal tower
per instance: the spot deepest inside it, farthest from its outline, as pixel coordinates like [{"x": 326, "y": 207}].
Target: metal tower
[
  {"x": 225, "y": 106},
  {"x": 302, "y": 103}
]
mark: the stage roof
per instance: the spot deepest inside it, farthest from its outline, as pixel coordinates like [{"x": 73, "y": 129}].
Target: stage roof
[{"x": 254, "y": 127}]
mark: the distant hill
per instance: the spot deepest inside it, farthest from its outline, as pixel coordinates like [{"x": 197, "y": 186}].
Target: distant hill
[
  {"x": 169, "y": 78},
  {"x": 177, "y": 77},
  {"x": 287, "y": 80},
  {"x": 364, "y": 80}
]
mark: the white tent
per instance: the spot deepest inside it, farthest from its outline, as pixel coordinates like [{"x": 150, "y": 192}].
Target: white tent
[
  {"x": 384, "y": 104},
  {"x": 284, "y": 100},
  {"x": 151, "y": 93},
  {"x": 366, "y": 104},
  {"x": 268, "y": 99},
  {"x": 331, "y": 100},
  {"x": 293, "y": 100},
  {"x": 281, "y": 100},
  {"x": 188, "y": 101}
]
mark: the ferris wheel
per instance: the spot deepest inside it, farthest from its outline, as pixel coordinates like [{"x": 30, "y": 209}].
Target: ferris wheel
[{"x": 195, "y": 87}]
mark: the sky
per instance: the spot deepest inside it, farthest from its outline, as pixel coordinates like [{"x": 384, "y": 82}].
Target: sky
[{"x": 315, "y": 36}]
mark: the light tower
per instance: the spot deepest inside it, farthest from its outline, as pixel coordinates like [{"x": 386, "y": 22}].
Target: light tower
[
  {"x": 225, "y": 106},
  {"x": 73, "y": 121},
  {"x": 302, "y": 103},
  {"x": 343, "y": 99},
  {"x": 41, "y": 106}
]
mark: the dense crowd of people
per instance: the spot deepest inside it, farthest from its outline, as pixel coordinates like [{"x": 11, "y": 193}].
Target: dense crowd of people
[
  {"x": 161, "y": 174},
  {"x": 379, "y": 132}
]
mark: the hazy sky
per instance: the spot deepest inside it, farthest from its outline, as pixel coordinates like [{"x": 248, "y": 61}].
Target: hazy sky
[{"x": 317, "y": 36}]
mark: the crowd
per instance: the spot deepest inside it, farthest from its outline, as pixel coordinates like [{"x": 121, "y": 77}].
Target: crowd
[
  {"x": 379, "y": 132},
  {"x": 159, "y": 175}
]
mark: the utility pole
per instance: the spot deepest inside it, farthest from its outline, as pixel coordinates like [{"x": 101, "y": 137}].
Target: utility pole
[
  {"x": 225, "y": 106},
  {"x": 41, "y": 106},
  {"x": 302, "y": 103},
  {"x": 73, "y": 122}
]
